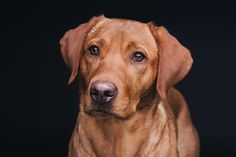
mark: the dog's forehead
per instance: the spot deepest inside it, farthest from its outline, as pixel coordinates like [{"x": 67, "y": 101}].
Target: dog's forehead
[
  {"x": 118, "y": 25},
  {"x": 129, "y": 29}
]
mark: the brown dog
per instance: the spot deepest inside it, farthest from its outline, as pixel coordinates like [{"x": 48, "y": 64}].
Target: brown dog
[{"x": 128, "y": 106}]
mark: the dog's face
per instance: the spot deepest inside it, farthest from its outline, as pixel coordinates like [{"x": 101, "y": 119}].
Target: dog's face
[{"x": 118, "y": 63}]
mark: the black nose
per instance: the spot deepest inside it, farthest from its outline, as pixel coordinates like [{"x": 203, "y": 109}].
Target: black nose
[{"x": 103, "y": 92}]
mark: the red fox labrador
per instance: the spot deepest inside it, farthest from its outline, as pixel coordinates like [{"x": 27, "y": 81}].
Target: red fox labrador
[{"x": 128, "y": 106}]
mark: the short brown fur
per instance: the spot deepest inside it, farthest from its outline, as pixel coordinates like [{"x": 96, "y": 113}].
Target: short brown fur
[{"x": 148, "y": 117}]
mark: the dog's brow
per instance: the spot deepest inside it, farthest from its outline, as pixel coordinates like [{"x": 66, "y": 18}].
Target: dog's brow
[
  {"x": 100, "y": 42},
  {"x": 134, "y": 45}
]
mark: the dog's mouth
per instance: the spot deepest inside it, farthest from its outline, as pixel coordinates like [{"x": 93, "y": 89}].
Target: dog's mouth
[
  {"x": 100, "y": 112},
  {"x": 104, "y": 114}
]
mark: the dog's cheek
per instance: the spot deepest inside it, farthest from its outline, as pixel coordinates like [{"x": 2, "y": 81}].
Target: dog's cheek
[
  {"x": 84, "y": 97},
  {"x": 84, "y": 78},
  {"x": 133, "y": 89},
  {"x": 143, "y": 83},
  {"x": 149, "y": 77},
  {"x": 86, "y": 68},
  {"x": 83, "y": 66}
]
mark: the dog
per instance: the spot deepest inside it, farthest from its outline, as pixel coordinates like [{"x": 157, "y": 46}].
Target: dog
[{"x": 128, "y": 105}]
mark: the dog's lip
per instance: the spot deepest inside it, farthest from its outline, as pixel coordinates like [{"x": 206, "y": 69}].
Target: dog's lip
[
  {"x": 105, "y": 114},
  {"x": 100, "y": 112}
]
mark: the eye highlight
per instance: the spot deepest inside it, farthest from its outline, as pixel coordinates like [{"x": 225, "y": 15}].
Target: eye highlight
[
  {"x": 138, "y": 57},
  {"x": 93, "y": 50}
]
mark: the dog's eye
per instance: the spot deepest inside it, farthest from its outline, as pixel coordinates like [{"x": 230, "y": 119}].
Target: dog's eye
[
  {"x": 138, "y": 57},
  {"x": 93, "y": 50}
]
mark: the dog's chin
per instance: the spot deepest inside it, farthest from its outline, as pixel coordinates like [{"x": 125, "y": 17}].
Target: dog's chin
[{"x": 106, "y": 114}]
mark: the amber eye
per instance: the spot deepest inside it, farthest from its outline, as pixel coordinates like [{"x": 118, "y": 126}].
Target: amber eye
[
  {"x": 93, "y": 50},
  {"x": 138, "y": 57}
]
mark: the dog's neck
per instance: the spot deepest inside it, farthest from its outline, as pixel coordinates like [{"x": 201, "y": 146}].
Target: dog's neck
[{"x": 149, "y": 128}]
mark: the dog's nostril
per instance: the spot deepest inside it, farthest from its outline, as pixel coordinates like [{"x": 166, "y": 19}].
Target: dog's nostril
[
  {"x": 103, "y": 92},
  {"x": 109, "y": 93},
  {"x": 93, "y": 91}
]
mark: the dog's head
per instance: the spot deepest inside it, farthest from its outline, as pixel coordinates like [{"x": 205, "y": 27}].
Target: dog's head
[{"x": 120, "y": 61}]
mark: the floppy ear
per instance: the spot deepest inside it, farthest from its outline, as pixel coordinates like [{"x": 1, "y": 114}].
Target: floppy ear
[
  {"x": 72, "y": 43},
  {"x": 174, "y": 60}
]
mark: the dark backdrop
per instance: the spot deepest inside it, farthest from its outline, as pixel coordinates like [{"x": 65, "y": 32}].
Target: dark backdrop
[{"x": 38, "y": 109}]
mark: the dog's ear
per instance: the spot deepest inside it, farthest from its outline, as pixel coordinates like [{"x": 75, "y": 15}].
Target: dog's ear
[
  {"x": 72, "y": 43},
  {"x": 174, "y": 60}
]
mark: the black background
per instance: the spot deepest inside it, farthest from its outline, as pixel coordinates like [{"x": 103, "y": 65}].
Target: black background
[{"x": 38, "y": 109}]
